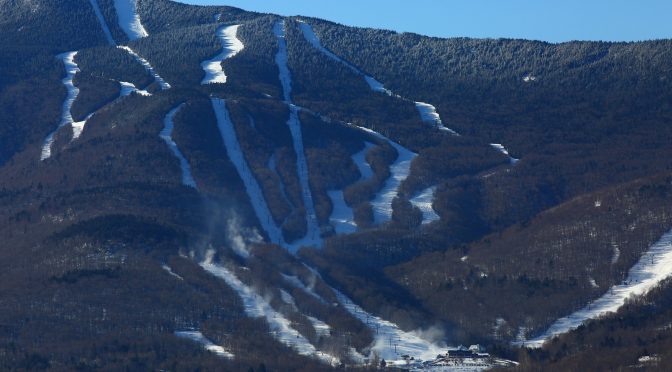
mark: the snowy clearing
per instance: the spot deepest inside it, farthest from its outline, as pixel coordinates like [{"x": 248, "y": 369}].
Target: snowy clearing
[
  {"x": 71, "y": 69},
  {"x": 235, "y": 153},
  {"x": 103, "y": 23},
  {"x": 312, "y": 237},
  {"x": 170, "y": 271},
  {"x": 148, "y": 67},
  {"x": 424, "y": 201},
  {"x": 129, "y": 88},
  {"x": 231, "y": 45},
  {"x": 198, "y": 337},
  {"x": 360, "y": 161},
  {"x": 399, "y": 171},
  {"x": 129, "y": 20},
  {"x": 321, "y": 328},
  {"x": 296, "y": 282},
  {"x": 257, "y": 307},
  {"x": 342, "y": 217},
  {"x": 166, "y": 136},
  {"x": 499, "y": 147},
  {"x": 654, "y": 266},
  {"x": 429, "y": 114}
]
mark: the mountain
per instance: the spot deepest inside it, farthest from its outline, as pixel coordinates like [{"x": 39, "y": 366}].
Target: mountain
[{"x": 201, "y": 187}]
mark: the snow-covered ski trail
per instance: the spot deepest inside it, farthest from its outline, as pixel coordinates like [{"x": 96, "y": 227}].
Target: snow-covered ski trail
[
  {"x": 399, "y": 171},
  {"x": 235, "y": 153},
  {"x": 231, "y": 45},
  {"x": 256, "y": 306},
  {"x": 424, "y": 201},
  {"x": 71, "y": 69},
  {"x": 148, "y": 67},
  {"x": 342, "y": 216},
  {"x": 166, "y": 136},
  {"x": 312, "y": 237},
  {"x": 654, "y": 267},
  {"x": 128, "y": 88},
  {"x": 129, "y": 20},
  {"x": 208, "y": 345},
  {"x": 426, "y": 111},
  {"x": 500, "y": 148},
  {"x": 103, "y": 23},
  {"x": 360, "y": 161}
]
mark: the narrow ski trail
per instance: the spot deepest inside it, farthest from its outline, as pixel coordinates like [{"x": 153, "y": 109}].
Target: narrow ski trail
[
  {"x": 653, "y": 267},
  {"x": 256, "y": 306},
  {"x": 231, "y": 45},
  {"x": 424, "y": 201},
  {"x": 427, "y": 112},
  {"x": 235, "y": 153},
  {"x": 312, "y": 237},
  {"x": 129, "y": 20},
  {"x": 71, "y": 70},
  {"x": 197, "y": 337},
  {"x": 500, "y": 148},
  {"x": 148, "y": 67},
  {"x": 166, "y": 135},
  {"x": 101, "y": 20}
]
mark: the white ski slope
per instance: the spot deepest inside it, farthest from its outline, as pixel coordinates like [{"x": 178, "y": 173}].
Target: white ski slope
[
  {"x": 363, "y": 166},
  {"x": 429, "y": 114},
  {"x": 71, "y": 69},
  {"x": 499, "y": 147},
  {"x": 257, "y": 307},
  {"x": 103, "y": 23},
  {"x": 129, "y": 20},
  {"x": 654, "y": 267},
  {"x": 231, "y": 45},
  {"x": 390, "y": 342},
  {"x": 296, "y": 282},
  {"x": 166, "y": 136},
  {"x": 312, "y": 38},
  {"x": 399, "y": 171},
  {"x": 312, "y": 237},
  {"x": 129, "y": 88},
  {"x": 342, "y": 216},
  {"x": 198, "y": 337},
  {"x": 321, "y": 328},
  {"x": 424, "y": 201},
  {"x": 235, "y": 153},
  {"x": 170, "y": 272},
  {"x": 148, "y": 67}
]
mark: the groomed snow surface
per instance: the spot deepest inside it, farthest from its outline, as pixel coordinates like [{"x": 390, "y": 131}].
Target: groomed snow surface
[
  {"x": 503, "y": 150},
  {"x": 71, "y": 69},
  {"x": 129, "y": 88},
  {"x": 231, "y": 45},
  {"x": 424, "y": 201},
  {"x": 257, "y": 307},
  {"x": 342, "y": 217},
  {"x": 429, "y": 114},
  {"x": 166, "y": 136},
  {"x": 312, "y": 237},
  {"x": 129, "y": 20},
  {"x": 101, "y": 20},
  {"x": 654, "y": 266},
  {"x": 148, "y": 67},
  {"x": 198, "y": 337},
  {"x": 399, "y": 171},
  {"x": 235, "y": 153}
]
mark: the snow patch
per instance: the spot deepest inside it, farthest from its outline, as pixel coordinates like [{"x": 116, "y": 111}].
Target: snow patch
[
  {"x": 170, "y": 271},
  {"x": 235, "y": 153},
  {"x": 148, "y": 67},
  {"x": 129, "y": 20},
  {"x": 654, "y": 266},
  {"x": 166, "y": 136},
  {"x": 429, "y": 114},
  {"x": 321, "y": 328},
  {"x": 231, "y": 45},
  {"x": 71, "y": 69},
  {"x": 198, "y": 337},
  {"x": 296, "y": 282},
  {"x": 424, "y": 201},
  {"x": 503, "y": 150},
  {"x": 129, "y": 88},
  {"x": 360, "y": 161},
  {"x": 103, "y": 23},
  {"x": 342, "y": 217}
]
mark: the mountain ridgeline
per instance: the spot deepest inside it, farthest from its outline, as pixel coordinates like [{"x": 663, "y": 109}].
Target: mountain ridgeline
[{"x": 201, "y": 187}]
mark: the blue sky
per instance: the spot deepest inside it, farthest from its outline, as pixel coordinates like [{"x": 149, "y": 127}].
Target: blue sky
[{"x": 549, "y": 20}]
